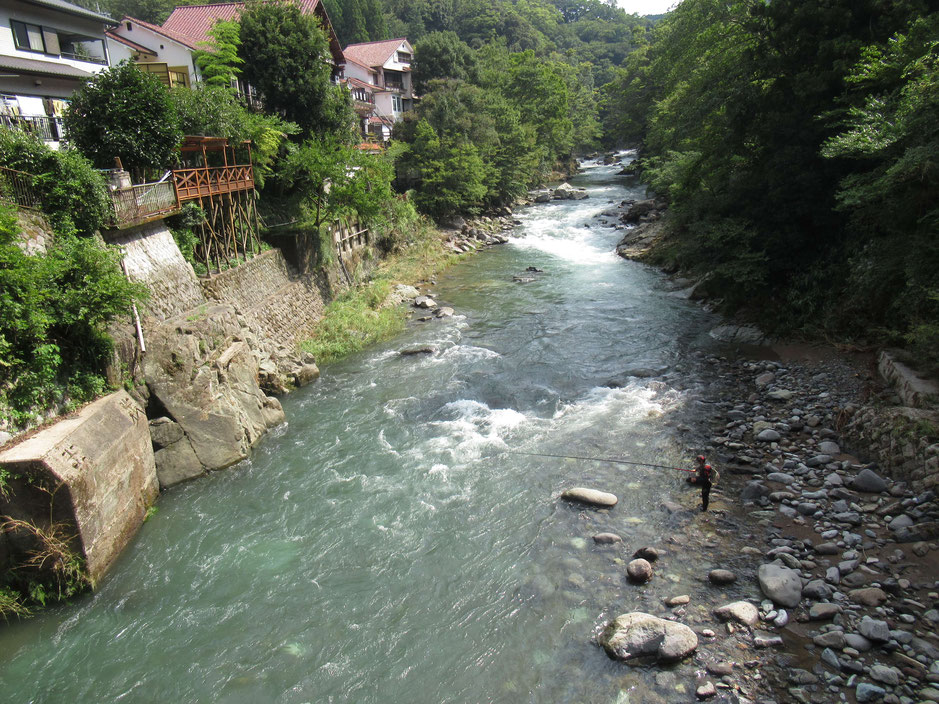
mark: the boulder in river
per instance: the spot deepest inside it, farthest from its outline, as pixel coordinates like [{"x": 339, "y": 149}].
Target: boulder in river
[
  {"x": 592, "y": 497},
  {"x": 607, "y": 538},
  {"x": 647, "y": 553},
  {"x": 637, "y": 634},
  {"x": 781, "y": 584},
  {"x": 740, "y": 611},
  {"x": 639, "y": 570}
]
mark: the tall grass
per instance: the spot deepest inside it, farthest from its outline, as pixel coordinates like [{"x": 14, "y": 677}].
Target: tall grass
[{"x": 359, "y": 317}]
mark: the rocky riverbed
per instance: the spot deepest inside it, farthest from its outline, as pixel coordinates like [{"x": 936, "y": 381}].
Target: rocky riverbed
[{"x": 827, "y": 586}]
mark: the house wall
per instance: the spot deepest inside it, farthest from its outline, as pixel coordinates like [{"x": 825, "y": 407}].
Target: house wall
[
  {"x": 33, "y": 14},
  {"x": 167, "y": 50}
]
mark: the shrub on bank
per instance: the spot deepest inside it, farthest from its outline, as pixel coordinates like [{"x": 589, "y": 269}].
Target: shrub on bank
[{"x": 54, "y": 312}]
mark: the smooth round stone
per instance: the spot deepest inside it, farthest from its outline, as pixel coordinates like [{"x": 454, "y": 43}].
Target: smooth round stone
[
  {"x": 706, "y": 691},
  {"x": 722, "y": 577},
  {"x": 592, "y": 497},
  {"x": 607, "y": 538},
  {"x": 740, "y": 611},
  {"x": 639, "y": 570},
  {"x": 680, "y": 600},
  {"x": 638, "y": 634}
]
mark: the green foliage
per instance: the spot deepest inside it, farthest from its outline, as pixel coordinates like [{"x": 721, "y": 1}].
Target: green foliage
[
  {"x": 286, "y": 56},
  {"x": 123, "y": 112},
  {"x": 11, "y": 604},
  {"x": 54, "y": 311},
  {"x": 216, "y": 111},
  {"x": 360, "y": 317},
  {"x": 73, "y": 194},
  {"x": 797, "y": 144},
  {"x": 340, "y": 181},
  {"x": 442, "y": 55},
  {"x": 218, "y": 60}
]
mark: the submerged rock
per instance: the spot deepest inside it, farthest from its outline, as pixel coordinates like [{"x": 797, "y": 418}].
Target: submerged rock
[
  {"x": 638, "y": 634},
  {"x": 591, "y": 497},
  {"x": 607, "y": 538}
]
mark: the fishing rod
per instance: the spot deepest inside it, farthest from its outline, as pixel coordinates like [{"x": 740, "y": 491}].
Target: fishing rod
[{"x": 600, "y": 459}]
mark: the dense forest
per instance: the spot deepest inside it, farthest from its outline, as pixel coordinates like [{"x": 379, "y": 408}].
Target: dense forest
[{"x": 798, "y": 145}]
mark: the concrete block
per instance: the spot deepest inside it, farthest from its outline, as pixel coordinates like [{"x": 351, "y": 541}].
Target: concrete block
[{"x": 102, "y": 460}]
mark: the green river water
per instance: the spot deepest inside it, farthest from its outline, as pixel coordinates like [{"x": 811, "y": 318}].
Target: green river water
[{"x": 381, "y": 546}]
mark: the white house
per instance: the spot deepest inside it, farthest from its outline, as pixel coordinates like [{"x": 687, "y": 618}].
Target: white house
[
  {"x": 386, "y": 69},
  {"x": 164, "y": 52},
  {"x": 47, "y": 48}
]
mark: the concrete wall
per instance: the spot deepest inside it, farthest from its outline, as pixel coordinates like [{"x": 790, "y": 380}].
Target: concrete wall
[
  {"x": 104, "y": 459},
  {"x": 152, "y": 257}
]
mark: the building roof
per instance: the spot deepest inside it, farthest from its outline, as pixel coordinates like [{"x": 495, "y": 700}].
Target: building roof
[
  {"x": 372, "y": 54},
  {"x": 194, "y": 21},
  {"x": 168, "y": 33},
  {"x": 361, "y": 84},
  {"x": 71, "y": 9},
  {"x": 35, "y": 67},
  {"x": 132, "y": 44}
]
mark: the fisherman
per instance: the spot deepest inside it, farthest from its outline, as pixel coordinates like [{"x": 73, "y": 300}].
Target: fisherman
[
  {"x": 705, "y": 479},
  {"x": 699, "y": 464}
]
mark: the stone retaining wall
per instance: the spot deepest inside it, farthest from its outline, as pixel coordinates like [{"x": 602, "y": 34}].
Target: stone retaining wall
[
  {"x": 277, "y": 304},
  {"x": 152, "y": 257},
  {"x": 902, "y": 440}
]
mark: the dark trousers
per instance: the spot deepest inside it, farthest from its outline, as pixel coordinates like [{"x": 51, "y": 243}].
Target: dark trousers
[{"x": 705, "y": 495}]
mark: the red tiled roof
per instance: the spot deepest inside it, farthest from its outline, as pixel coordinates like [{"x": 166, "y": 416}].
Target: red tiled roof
[
  {"x": 133, "y": 45},
  {"x": 168, "y": 33},
  {"x": 372, "y": 53},
  {"x": 368, "y": 146},
  {"x": 195, "y": 21}
]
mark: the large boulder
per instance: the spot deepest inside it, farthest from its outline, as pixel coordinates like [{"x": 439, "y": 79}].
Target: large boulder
[
  {"x": 639, "y": 570},
  {"x": 206, "y": 377},
  {"x": 869, "y": 482},
  {"x": 638, "y": 634},
  {"x": 781, "y": 584}
]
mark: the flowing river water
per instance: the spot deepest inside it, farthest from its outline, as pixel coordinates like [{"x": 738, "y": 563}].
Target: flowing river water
[{"x": 383, "y": 546}]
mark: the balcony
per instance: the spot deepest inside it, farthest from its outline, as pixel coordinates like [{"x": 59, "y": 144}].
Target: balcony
[
  {"x": 48, "y": 129},
  {"x": 212, "y": 180}
]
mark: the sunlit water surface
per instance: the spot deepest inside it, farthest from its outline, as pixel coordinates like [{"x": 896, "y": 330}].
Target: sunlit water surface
[{"x": 383, "y": 546}]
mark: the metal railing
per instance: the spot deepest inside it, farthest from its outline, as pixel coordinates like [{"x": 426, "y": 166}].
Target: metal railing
[
  {"x": 18, "y": 187},
  {"x": 48, "y": 129},
  {"x": 143, "y": 201}
]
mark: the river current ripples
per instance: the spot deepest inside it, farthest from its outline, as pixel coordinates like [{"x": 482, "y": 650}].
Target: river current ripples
[{"x": 384, "y": 545}]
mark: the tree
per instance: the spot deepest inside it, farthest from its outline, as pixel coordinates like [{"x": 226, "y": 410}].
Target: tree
[
  {"x": 219, "y": 61},
  {"x": 123, "y": 112},
  {"x": 216, "y": 111},
  {"x": 287, "y": 59},
  {"x": 442, "y": 55}
]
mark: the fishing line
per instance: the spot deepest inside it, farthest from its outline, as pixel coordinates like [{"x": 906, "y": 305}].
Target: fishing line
[{"x": 599, "y": 459}]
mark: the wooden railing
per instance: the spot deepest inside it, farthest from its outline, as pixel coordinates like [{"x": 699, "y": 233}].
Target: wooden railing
[
  {"x": 18, "y": 187},
  {"x": 143, "y": 201},
  {"x": 349, "y": 235},
  {"x": 209, "y": 181}
]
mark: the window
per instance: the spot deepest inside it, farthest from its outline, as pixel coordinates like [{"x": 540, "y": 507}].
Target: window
[
  {"x": 396, "y": 103},
  {"x": 404, "y": 57},
  {"x": 27, "y": 36},
  {"x": 81, "y": 47},
  {"x": 130, "y": 27}
]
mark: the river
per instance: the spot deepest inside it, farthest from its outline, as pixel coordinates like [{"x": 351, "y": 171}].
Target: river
[{"x": 383, "y": 546}]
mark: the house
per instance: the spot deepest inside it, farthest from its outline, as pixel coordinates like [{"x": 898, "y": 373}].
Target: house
[
  {"x": 168, "y": 50},
  {"x": 383, "y": 71},
  {"x": 47, "y": 48},
  {"x": 164, "y": 53}
]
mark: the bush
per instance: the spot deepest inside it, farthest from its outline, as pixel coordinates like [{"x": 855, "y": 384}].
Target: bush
[
  {"x": 124, "y": 112},
  {"x": 54, "y": 311},
  {"x": 74, "y": 195}
]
